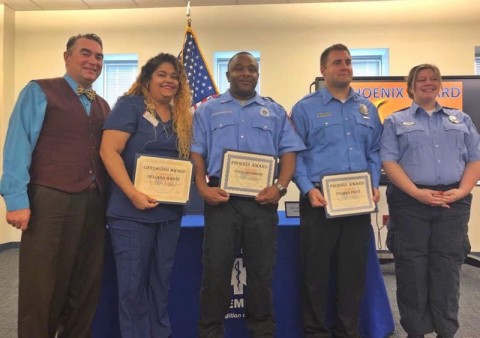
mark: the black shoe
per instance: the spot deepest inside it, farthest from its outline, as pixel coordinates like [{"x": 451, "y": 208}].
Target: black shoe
[{"x": 415, "y": 336}]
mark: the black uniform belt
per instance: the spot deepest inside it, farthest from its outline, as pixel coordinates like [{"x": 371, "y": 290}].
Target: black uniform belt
[
  {"x": 440, "y": 187},
  {"x": 214, "y": 181}
]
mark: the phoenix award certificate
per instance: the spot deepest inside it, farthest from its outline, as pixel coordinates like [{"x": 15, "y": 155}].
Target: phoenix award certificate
[
  {"x": 245, "y": 173},
  {"x": 348, "y": 194}
]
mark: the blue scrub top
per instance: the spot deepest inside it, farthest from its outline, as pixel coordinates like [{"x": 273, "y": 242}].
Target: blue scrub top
[{"x": 145, "y": 138}]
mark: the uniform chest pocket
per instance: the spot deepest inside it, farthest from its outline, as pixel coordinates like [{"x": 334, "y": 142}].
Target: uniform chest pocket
[
  {"x": 326, "y": 130},
  {"x": 457, "y": 132},
  {"x": 364, "y": 121},
  {"x": 411, "y": 136},
  {"x": 263, "y": 125},
  {"x": 261, "y": 136},
  {"x": 221, "y": 123},
  {"x": 364, "y": 127},
  {"x": 412, "y": 140},
  {"x": 223, "y": 129}
]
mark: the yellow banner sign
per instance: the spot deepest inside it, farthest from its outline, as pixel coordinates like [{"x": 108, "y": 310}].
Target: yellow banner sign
[{"x": 391, "y": 96}]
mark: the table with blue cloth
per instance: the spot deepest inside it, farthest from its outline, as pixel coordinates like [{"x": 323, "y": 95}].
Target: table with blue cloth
[{"x": 376, "y": 317}]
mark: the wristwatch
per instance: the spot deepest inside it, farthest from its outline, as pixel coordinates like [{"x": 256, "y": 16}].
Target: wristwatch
[{"x": 281, "y": 189}]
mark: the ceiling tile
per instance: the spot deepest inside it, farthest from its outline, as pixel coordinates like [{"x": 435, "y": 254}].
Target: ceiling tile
[
  {"x": 214, "y": 2},
  {"x": 161, "y": 3},
  {"x": 255, "y": 2},
  {"x": 28, "y": 5},
  {"x": 61, "y": 4},
  {"x": 103, "y": 4},
  {"x": 21, "y": 5}
]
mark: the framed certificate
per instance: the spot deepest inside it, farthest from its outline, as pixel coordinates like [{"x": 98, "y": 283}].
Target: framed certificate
[
  {"x": 348, "y": 194},
  {"x": 292, "y": 209},
  {"x": 245, "y": 173},
  {"x": 168, "y": 180}
]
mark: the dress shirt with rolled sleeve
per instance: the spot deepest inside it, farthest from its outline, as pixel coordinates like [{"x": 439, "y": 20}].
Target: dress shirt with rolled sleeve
[{"x": 24, "y": 129}]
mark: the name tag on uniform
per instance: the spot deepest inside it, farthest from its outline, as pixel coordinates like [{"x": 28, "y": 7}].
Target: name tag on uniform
[
  {"x": 324, "y": 114},
  {"x": 408, "y": 123},
  {"x": 150, "y": 118}
]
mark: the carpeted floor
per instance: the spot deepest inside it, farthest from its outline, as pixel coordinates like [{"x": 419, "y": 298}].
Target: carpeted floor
[
  {"x": 469, "y": 313},
  {"x": 469, "y": 300}
]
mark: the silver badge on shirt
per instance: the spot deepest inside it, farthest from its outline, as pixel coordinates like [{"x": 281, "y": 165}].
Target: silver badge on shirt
[
  {"x": 363, "y": 109},
  {"x": 264, "y": 112},
  {"x": 453, "y": 119}
]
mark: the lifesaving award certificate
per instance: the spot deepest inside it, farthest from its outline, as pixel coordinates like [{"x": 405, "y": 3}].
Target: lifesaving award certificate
[
  {"x": 167, "y": 180},
  {"x": 348, "y": 194},
  {"x": 245, "y": 173}
]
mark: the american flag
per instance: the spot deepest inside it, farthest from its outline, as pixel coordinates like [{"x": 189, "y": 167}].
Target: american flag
[{"x": 199, "y": 76}]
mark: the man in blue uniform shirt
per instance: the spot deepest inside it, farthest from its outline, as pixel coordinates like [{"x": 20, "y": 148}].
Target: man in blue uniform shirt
[
  {"x": 241, "y": 120},
  {"x": 341, "y": 131}
]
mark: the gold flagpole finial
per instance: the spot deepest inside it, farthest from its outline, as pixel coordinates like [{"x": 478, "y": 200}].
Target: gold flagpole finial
[{"x": 189, "y": 20}]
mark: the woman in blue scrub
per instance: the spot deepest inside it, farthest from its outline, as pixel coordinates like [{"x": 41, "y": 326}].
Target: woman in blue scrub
[
  {"x": 152, "y": 118},
  {"x": 431, "y": 155}
]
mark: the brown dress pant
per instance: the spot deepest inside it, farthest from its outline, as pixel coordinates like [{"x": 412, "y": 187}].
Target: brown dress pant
[{"x": 61, "y": 262}]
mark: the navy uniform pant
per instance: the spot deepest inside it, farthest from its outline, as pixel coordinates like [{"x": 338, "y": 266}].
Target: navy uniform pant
[
  {"x": 328, "y": 245},
  {"x": 239, "y": 223},
  {"x": 429, "y": 245},
  {"x": 144, "y": 255}
]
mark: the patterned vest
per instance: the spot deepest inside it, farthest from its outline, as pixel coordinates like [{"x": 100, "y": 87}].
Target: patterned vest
[{"x": 66, "y": 156}]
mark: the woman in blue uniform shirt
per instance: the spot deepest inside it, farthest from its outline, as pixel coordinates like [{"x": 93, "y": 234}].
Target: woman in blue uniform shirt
[
  {"x": 431, "y": 155},
  {"x": 152, "y": 118}
]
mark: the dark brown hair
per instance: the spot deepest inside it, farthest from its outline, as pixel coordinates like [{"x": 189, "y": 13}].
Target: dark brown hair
[{"x": 326, "y": 52}]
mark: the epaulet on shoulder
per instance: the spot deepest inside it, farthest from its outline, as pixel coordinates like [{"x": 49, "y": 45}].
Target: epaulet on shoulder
[
  {"x": 362, "y": 98},
  {"x": 310, "y": 94},
  {"x": 211, "y": 98},
  {"x": 268, "y": 98},
  {"x": 403, "y": 109},
  {"x": 306, "y": 97},
  {"x": 450, "y": 108}
]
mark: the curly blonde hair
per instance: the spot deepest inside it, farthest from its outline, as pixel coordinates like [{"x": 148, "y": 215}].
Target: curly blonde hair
[{"x": 181, "y": 103}]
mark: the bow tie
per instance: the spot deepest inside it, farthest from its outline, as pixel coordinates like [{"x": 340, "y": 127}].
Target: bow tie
[{"x": 90, "y": 93}]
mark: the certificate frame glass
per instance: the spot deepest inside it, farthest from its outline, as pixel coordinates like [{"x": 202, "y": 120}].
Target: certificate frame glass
[
  {"x": 292, "y": 209},
  {"x": 246, "y": 173},
  {"x": 166, "y": 179},
  {"x": 348, "y": 194}
]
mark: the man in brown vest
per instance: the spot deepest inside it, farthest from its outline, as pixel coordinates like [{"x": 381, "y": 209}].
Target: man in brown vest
[{"x": 53, "y": 184}]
